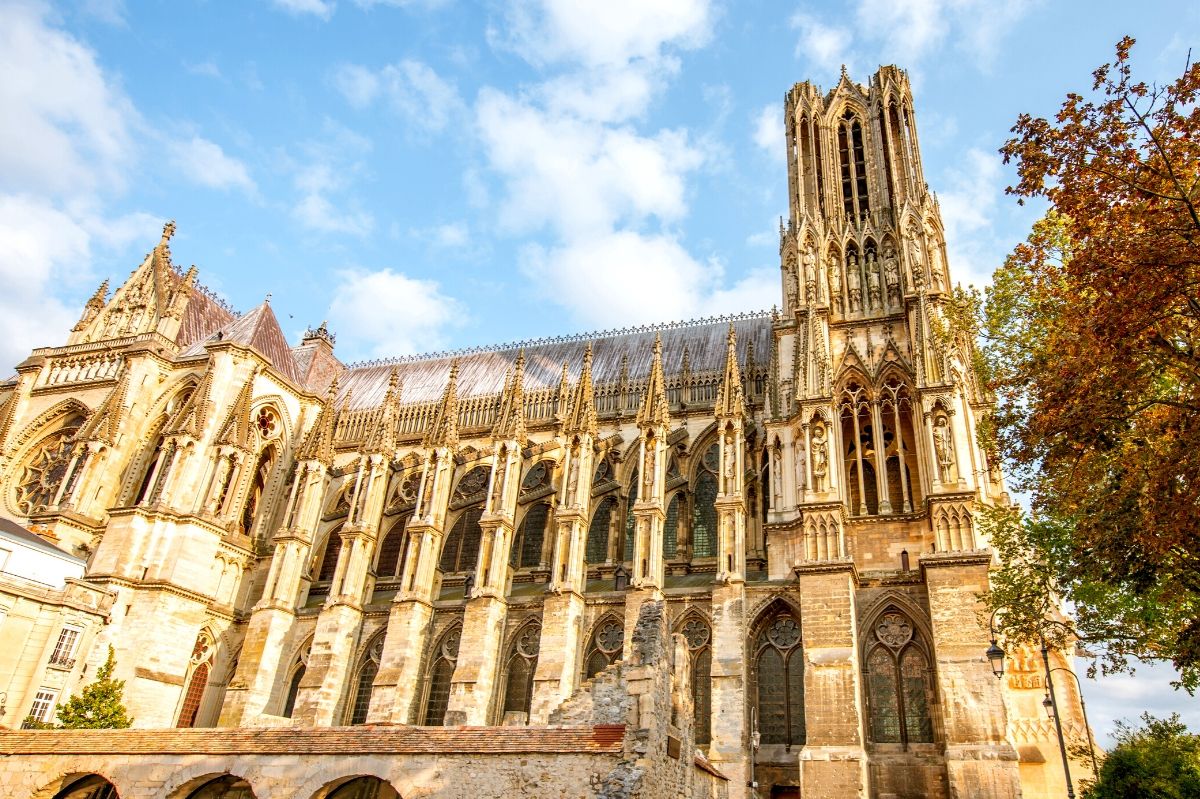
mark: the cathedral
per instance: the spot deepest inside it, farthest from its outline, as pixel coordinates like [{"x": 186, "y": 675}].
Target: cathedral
[{"x": 735, "y": 557}]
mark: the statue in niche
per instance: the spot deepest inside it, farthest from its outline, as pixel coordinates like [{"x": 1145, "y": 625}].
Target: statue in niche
[
  {"x": 942, "y": 446},
  {"x": 573, "y": 476},
  {"x": 873, "y": 291},
  {"x": 835, "y": 282},
  {"x": 648, "y": 470},
  {"x": 918, "y": 265},
  {"x": 891, "y": 274},
  {"x": 936, "y": 267},
  {"x": 820, "y": 457},
  {"x": 792, "y": 290},
  {"x": 801, "y": 478},
  {"x": 810, "y": 274},
  {"x": 427, "y": 491},
  {"x": 777, "y": 475},
  {"x": 854, "y": 283},
  {"x": 730, "y": 466},
  {"x": 498, "y": 481}
]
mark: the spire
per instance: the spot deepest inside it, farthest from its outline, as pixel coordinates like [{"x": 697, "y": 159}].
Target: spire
[
  {"x": 564, "y": 394},
  {"x": 443, "y": 432},
  {"x": 179, "y": 297},
  {"x": 510, "y": 424},
  {"x": 318, "y": 446},
  {"x": 103, "y": 425},
  {"x": 193, "y": 415},
  {"x": 583, "y": 407},
  {"x": 93, "y": 307},
  {"x": 655, "y": 410},
  {"x": 730, "y": 400},
  {"x": 238, "y": 427},
  {"x": 382, "y": 435}
]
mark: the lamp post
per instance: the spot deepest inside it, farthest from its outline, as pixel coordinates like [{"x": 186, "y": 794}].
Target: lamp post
[
  {"x": 995, "y": 656},
  {"x": 1087, "y": 727}
]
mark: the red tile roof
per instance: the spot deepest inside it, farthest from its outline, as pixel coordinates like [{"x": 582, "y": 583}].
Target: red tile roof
[{"x": 598, "y": 739}]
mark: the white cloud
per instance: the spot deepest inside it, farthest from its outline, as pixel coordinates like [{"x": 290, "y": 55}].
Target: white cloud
[
  {"x": 968, "y": 206},
  {"x": 207, "y": 69},
  {"x": 768, "y": 127},
  {"x": 206, "y": 164},
  {"x": 317, "y": 8},
  {"x": 825, "y": 46},
  {"x": 64, "y": 129},
  {"x": 425, "y": 99},
  {"x": 385, "y": 313},
  {"x": 317, "y": 212}
]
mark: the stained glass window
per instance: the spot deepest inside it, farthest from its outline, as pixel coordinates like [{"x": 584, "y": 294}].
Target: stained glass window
[
  {"x": 899, "y": 682},
  {"x": 391, "y": 551},
  {"x": 440, "y": 675},
  {"x": 704, "y": 510},
  {"x": 522, "y": 662},
  {"x": 779, "y": 668},
  {"x": 633, "y": 493},
  {"x": 44, "y": 470},
  {"x": 605, "y": 647},
  {"x": 289, "y": 704},
  {"x": 330, "y": 558},
  {"x": 527, "y": 548},
  {"x": 461, "y": 548},
  {"x": 191, "y": 699},
  {"x": 671, "y": 529},
  {"x": 699, "y": 639},
  {"x": 597, "y": 540}
]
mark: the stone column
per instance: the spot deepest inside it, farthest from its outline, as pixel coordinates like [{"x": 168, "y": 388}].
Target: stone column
[
  {"x": 832, "y": 763},
  {"x": 730, "y": 728},
  {"x": 979, "y": 760},
  {"x": 330, "y": 660},
  {"x": 397, "y": 685}
]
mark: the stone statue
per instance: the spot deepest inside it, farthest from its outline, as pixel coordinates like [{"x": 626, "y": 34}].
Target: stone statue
[
  {"x": 835, "y": 282},
  {"x": 648, "y": 470},
  {"x": 873, "y": 281},
  {"x": 854, "y": 283},
  {"x": 941, "y": 446},
  {"x": 498, "y": 482},
  {"x": 891, "y": 274},
  {"x": 820, "y": 456},
  {"x": 777, "y": 475},
  {"x": 810, "y": 274},
  {"x": 918, "y": 265},
  {"x": 792, "y": 290},
  {"x": 730, "y": 467},
  {"x": 573, "y": 477}
]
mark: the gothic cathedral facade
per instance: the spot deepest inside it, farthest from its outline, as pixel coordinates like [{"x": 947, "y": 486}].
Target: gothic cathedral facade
[{"x": 467, "y": 538}]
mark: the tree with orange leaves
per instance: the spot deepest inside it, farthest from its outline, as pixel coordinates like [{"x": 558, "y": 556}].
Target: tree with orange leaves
[{"x": 1091, "y": 341}]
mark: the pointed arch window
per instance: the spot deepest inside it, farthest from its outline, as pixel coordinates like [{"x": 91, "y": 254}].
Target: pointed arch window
[
  {"x": 329, "y": 559},
  {"x": 671, "y": 529},
  {"x": 149, "y": 477},
  {"x": 704, "y": 508},
  {"x": 441, "y": 672},
  {"x": 629, "y": 503},
  {"x": 289, "y": 702},
  {"x": 258, "y": 485},
  {"x": 526, "y": 551},
  {"x": 366, "y": 681},
  {"x": 779, "y": 681},
  {"x": 45, "y": 467},
  {"x": 860, "y": 456},
  {"x": 605, "y": 647},
  {"x": 460, "y": 551},
  {"x": 392, "y": 551},
  {"x": 699, "y": 640},
  {"x": 200, "y": 664},
  {"x": 597, "y": 539},
  {"x": 899, "y": 682},
  {"x": 520, "y": 667}
]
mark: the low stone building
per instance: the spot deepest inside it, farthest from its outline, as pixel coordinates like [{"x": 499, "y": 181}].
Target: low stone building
[{"x": 465, "y": 539}]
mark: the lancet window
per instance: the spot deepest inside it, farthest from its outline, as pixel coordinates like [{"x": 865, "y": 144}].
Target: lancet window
[
  {"x": 899, "y": 681},
  {"x": 526, "y": 549},
  {"x": 779, "y": 681},
  {"x": 151, "y": 468},
  {"x": 630, "y": 501},
  {"x": 896, "y": 412},
  {"x": 519, "y": 668},
  {"x": 200, "y": 666},
  {"x": 597, "y": 539},
  {"x": 365, "y": 682},
  {"x": 460, "y": 550},
  {"x": 390, "y": 564},
  {"x": 860, "y": 457},
  {"x": 704, "y": 509},
  {"x": 698, "y": 635},
  {"x": 671, "y": 528},
  {"x": 441, "y": 671},
  {"x": 329, "y": 558},
  {"x": 45, "y": 467},
  {"x": 853, "y": 167},
  {"x": 258, "y": 485},
  {"x": 605, "y": 647}
]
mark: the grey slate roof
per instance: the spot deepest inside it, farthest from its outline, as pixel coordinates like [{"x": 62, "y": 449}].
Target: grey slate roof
[{"x": 258, "y": 329}]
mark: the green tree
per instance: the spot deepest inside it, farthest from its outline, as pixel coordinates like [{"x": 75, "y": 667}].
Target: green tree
[
  {"x": 1159, "y": 760},
  {"x": 99, "y": 706},
  {"x": 1090, "y": 338}
]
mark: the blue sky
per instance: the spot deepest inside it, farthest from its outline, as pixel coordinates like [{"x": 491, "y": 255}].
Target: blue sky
[{"x": 434, "y": 173}]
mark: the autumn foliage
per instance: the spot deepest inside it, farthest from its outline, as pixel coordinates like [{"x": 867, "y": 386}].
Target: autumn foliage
[{"x": 1090, "y": 341}]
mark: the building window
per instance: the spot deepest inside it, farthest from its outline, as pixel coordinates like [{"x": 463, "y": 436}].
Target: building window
[
  {"x": 704, "y": 507},
  {"x": 43, "y": 703},
  {"x": 779, "y": 681},
  {"x": 64, "y": 649},
  {"x": 44, "y": 469},
  {"x": 201, "y": 666},
  {"x": 366, "y": 681},
  {"x": 605, "y": 647},
  {"x": 289, "y": 703},
  {"x": 392, "y": 551},
  {"x": 526, "y": 551},
  {"x": 633, "y": 494},
  {"x": 329, "y": 559},
  {"x": 699, "y": 640},
  {"x": 258, "y": 485},
  {"x": 899, "y": 682},
  {"x": 441, "y": 673},
  {"x": 522, "y": 662},
  {"x": 461, "y": 548},
  {"x": 597, "y": 539},
  {"x": 671, "y": 529}
]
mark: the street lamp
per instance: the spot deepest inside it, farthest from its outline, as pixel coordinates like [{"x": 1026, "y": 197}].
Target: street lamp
[
  {"x": 1048, "y": 704},
  {"x": 1053, "y": 710},
  {"x": 995, "y": 654},
  {"x": 1087, "y": 727}
]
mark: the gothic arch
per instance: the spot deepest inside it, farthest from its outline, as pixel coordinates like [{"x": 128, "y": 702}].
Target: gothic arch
[
  {"x": 696, "y": 629},
  {"x": 898, "y": 675},
  {"x": 47, "y": 418},
  {"x": 776, "y": 689},
  {"x": 190, "y": 782},
  {"x": 602, "y": 647},
  {"x": 520, "y": 659},
  {"x": 368, "y": 658},
  {"x": 532, "y": 531},
  {"x": 439, "y": 671},
  {"x": 63, "y": 785},
  {"x": 42, "y": 463},
  {"x": 322, "y": 787}
]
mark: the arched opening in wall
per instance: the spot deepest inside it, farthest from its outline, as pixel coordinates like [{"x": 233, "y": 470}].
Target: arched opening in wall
[
  {"x": 327, "y": 566},
  {"x": 596, "y": 550},
  {"x": 392, "y": 551},
  {"x": 289, "y": 702},
  {"x": 779, "y": 680},
  {"x": 698, "y": 635},
  {"x": 897, "y": 147},
  {"x": 519, "y": 669},
  {"x": 526, "y": 551},
  {"x": 860, "y": 169},
  {"x": 93, "y": 786},
  {"x": 630, "y": 501},
  {"x": 152, "y": 467},
  {"x": 900, "y": 443},
  {"x": 200, "y": 665},
  {"x": 460, "y": 548},
  {"x": 898, "y": 675},
  {"x": 258, "y": 485},
  {"x": 45, "y": 467},
  {"x": 365, "y": 681},
  {"x": 604, "y": 647},
  {"x": 227, "y": 786},
  {"x": 670, "y": 542},
  {"x": 858, "y": 458},
  {"x": 365, "y": 787},
  {"x": 704, "y": 507},
  {"x": 441, "y": 672}
]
